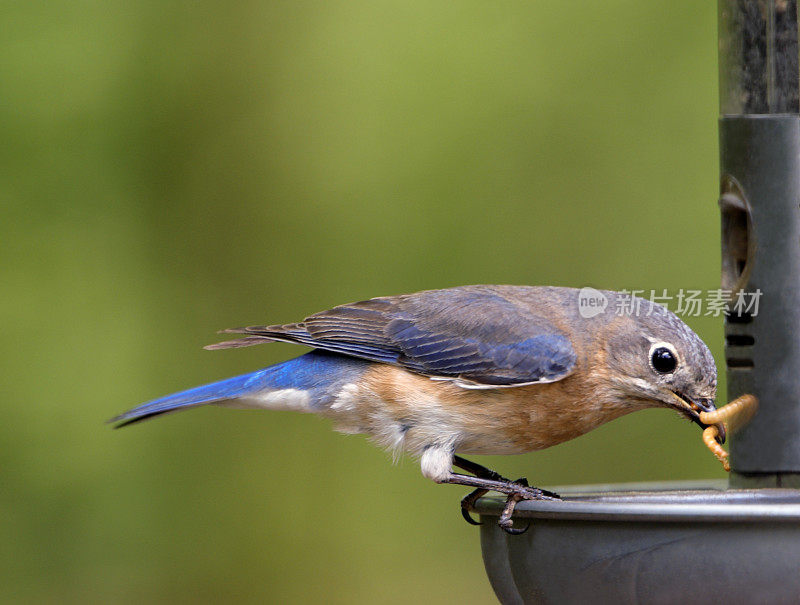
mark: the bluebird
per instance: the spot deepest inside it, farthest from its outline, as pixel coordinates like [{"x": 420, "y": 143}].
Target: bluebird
[{"x": 472, "y": 370}]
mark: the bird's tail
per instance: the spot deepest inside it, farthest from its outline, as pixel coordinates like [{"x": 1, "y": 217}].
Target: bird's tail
[{"x": 304, "y": 384}]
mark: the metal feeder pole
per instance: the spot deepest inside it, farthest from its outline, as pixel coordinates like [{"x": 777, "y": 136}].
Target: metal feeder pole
[{"x": 759, "y": 131}]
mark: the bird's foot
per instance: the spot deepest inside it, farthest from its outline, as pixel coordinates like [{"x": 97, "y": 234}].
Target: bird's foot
[{"x": 486, "y": 480}]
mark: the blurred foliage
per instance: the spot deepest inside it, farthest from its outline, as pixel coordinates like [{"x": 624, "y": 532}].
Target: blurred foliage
[{"x": 171, "y": 168}]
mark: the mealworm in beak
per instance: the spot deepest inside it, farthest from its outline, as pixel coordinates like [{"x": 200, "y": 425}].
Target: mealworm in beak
[{"x": 733, "y": 416}]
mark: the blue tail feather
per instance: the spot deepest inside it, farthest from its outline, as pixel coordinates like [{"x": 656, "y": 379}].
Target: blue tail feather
[
  {"x": 209, "y": 393},
  {"x": 318, "y": 372}
]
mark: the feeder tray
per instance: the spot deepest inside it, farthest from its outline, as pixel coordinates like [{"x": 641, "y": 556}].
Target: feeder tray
[{"x": 691, "y": 542}]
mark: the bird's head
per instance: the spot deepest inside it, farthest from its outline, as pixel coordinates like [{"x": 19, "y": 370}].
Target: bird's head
[{"x": 656, "y": 360}]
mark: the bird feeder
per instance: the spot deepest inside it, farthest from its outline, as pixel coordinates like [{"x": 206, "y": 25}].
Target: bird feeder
[
  {"x": 735, "y": 541},
  {"x": 760, "y": 195}
]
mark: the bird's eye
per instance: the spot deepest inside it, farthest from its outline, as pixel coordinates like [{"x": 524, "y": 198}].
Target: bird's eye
[{"x": 663, "y": 360}]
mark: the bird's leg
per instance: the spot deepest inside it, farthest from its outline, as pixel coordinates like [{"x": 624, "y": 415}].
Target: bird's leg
[
  {"x": 486, "y": 473},
  {"x": 486, "y": 480},
  {"x": 477, "y": 469}
]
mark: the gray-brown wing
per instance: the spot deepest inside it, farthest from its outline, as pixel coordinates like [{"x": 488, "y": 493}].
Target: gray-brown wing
[{"x": 480, "y": 336}]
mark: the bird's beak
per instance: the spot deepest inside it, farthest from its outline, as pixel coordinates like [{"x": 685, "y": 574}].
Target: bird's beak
[{"x": 692, "y": 408}]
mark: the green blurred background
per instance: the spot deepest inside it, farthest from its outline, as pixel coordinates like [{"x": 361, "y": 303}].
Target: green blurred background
[{"x": 172, "y": 168}]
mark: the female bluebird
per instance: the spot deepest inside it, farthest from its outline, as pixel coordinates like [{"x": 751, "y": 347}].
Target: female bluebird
[{"x": 472, "y": 370}]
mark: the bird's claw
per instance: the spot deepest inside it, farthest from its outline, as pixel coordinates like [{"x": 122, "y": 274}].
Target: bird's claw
[
  {"x": 468, "y": 518},
  {"x": 523, "y": 492},
  {"x": 548, "y": 494},
  {"x": 518, "y": 491},
  {"x": 506, "y": 522},
  {"x": 507, "y": 526},
  {"x": 468, "y": 501}
]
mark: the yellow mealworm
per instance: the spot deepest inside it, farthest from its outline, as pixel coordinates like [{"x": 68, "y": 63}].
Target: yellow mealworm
[
  {"x": 737, "y": 413},
  {"x": 710, "y": 439}
]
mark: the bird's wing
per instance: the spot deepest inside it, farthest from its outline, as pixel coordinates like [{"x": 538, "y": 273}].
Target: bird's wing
[{"x": 478, "y": 337}]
